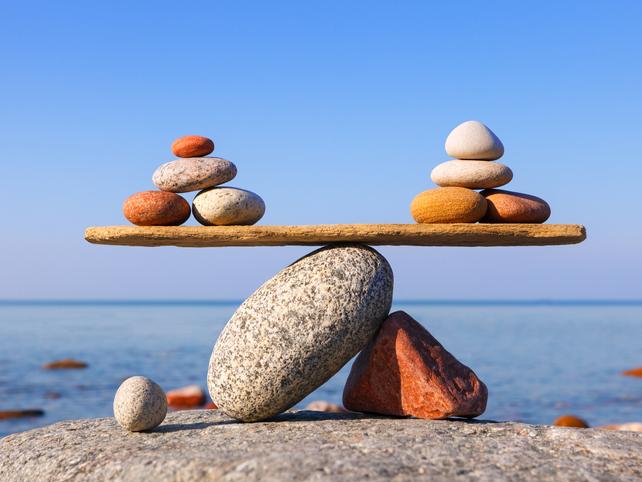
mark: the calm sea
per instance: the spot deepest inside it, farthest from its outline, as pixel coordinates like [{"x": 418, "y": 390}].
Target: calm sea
[{"x": 539, "y": 360}]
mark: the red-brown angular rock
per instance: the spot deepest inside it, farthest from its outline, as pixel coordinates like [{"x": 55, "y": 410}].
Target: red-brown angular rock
[
  {"x": 404, "y": 371},
  {"x": 192, "y": 146},
  {"x": 514, "y": 207},
  {"x": 8, "y": 414},
  {"x": 66, "y": 363},
  {"x": 183, "y": 398},
  {"x": 570, "y": 421},
  {"x": 156, "y": 208},
  {"x": 633, "y": 372}
]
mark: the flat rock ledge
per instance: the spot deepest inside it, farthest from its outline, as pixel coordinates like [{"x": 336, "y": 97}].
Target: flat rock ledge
[{"x": 304, "y": 445}]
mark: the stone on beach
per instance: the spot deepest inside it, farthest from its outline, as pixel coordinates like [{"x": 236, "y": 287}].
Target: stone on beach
[
  {"x": 224, "y": 206},
  {"x": 514, "y": 207},
  {"x": 325, "y": 406},
  {"x": 193, "y": 174},
  {"x": 156, "y": 208},
  {"x": 21, "y": 413},
  {"x": 192, "y": 146},
  {"x": 298, "y": 329},
  {"x": 191, "y": 396},
  {"x": 634, "y": 372},
  {"x": 405, "y": 371},
  {"x": 570, "y": 421},
  {"x": 624, "y": 427},
  {"x": 140, "y": 404},
  {"x": 473, "y": 140},
  {"x": 65, "y": 363},
  {"x": 471, "y": 174},
  {"x": 448, "y": 205}
]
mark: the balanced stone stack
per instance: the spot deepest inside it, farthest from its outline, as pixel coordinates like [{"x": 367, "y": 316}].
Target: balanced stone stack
[
  {"x": 214, "y": 205},
  {"x": 475, "y": 149}
]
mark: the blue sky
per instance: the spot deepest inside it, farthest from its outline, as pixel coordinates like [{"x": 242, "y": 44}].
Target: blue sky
[{"x": 333, "y": 112}]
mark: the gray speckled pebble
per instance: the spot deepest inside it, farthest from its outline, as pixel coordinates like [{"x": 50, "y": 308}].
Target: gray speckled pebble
[
  {"x": 299, "y": 329},
  {"x": 193, "y": 173},
  {"x": 221, "y": 206},
  {"x": 140, "y": 404}
]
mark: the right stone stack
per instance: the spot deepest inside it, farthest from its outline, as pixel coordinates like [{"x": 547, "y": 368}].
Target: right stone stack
[{"x": 475, "y": 148}]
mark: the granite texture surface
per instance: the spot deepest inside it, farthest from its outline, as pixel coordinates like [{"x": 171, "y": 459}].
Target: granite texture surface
[
  {"x": 193, "y": 174},
  {"x": 204, "y": 445},
  {"x": 298, "y": 329}
]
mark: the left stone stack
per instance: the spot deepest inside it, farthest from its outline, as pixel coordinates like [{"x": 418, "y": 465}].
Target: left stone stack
[{"x": 194, "y": 171}]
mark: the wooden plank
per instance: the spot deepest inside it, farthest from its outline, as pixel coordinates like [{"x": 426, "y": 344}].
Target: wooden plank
[{"x": 323, "y": 234}]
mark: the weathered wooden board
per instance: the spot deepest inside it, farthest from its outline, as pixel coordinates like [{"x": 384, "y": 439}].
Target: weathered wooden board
[{"x": 323, "y": 234}]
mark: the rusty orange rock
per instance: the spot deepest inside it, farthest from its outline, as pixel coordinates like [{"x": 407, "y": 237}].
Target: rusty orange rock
[
  {"x": 192, "y": 146},
  {"x": 31, "y": 412},
  {"x": 514, "y": 207},
  {"x": 156, "y": 208},
  {"x": 210, "y": 406},
  {"x": 448, "y": 205},
  {"x": 404, "y": 371},
  {"x": 634, "y": 372},
  {"x": 570, "y": 421},
  {"x": 66, "y": 363},
  {"x": 183, "y": 398}
]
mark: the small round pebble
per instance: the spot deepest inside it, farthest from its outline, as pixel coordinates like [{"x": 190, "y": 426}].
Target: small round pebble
[
  {"x": 471, "y": 174},
  {"x": 473, "y": 140},
  {"x": 222, "y": 206},
  {"x": 193, "y": 174},
  {"x": 140, "y": 404},
  {"x": 192, "y": 146},
  {"x": 156, "y": 208}
]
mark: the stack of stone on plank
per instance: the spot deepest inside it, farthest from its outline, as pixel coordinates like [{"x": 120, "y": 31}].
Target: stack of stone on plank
[
  {"x": 301, "y": 327},
  {"x": 474, "y": 147},
  {"x": 214, "y": 205}
]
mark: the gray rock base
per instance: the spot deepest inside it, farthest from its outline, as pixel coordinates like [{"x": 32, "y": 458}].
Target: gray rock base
[{"x": 206, "y": 445}]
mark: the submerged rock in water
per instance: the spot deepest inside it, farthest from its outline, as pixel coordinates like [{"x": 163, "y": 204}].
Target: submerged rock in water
[
  {"x": 191, "y": 396},
  {"x": 404, "y": 371},
  {"x": 22, "y": 413},
  {"x": 299, "y": 329},
  {"x": 65, "y": 363},
  {"x": 570, "y": 421}
]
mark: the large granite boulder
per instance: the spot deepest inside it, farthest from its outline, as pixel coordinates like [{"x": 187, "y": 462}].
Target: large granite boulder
[
  {"x": 206, "y": 445},
  {"x": 299, "y": 329}
]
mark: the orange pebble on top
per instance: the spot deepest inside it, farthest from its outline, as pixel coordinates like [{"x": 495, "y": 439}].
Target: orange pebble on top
[{"x": 192, "y": 146}]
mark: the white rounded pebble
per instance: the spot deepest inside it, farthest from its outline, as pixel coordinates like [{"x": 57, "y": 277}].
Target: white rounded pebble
[
  {"x": 223, "y": 206},
  {"x": 471, "y": 174},
  {"x": 473, "y": 140},
  {"x": 140, "y": 404}
]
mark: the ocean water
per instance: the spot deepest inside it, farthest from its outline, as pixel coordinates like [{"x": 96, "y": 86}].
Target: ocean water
[{"x": 539, "y": 360}]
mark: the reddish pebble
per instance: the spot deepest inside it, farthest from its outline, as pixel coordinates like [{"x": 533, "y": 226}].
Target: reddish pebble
[
  {"x": 156, "y": 208},
  {"x": 404, "y": 371},
  {"x": 191, "y": 396},
  {"x": 570, "y": 421},
  {"x": 192, "y": 146},
  {"x": 514, "y": 207},
  {"x": 634, "y": 372},
  {"x": 66, "y": 363},
  {"x": 7, "y": 414}
]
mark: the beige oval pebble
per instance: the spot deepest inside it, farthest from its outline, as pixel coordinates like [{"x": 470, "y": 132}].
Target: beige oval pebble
[
  {"x": 473, "y": 140},
  {"x": 471, "y": 174},
  {"x": 140, "y": 404},
  {"x": 222, "y": 206}
]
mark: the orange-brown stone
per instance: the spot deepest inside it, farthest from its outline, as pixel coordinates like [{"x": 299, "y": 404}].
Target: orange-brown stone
[
  {"x": 570, "y": 421},
  {"x": 66, "y": 363},
  {"x": 156, "y": 208},
  {"x": 448, "y": 205},
  {"x": 633, "y": 372},
  {"x": 183, "y": 398},
  {"x": 8, "y": 414},
  {"x": 514, "y": 207},
  {"x": 404, "y": 371},
  {"x": 210, "y": 406},
  {"x": 192, "y": 146}
]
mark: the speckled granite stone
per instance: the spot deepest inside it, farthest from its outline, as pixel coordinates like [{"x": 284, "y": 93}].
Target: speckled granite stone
[
  {"x": 299, "y": 329},
  {"x": 223, "y": 206},
  {"x": 193, "y": 174},
  {"x": 204, "y": 445},
  {"x": 140, "y": 404}
]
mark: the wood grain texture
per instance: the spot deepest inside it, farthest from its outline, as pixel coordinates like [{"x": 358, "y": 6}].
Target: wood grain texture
[{"x": 323, "y": 234}]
